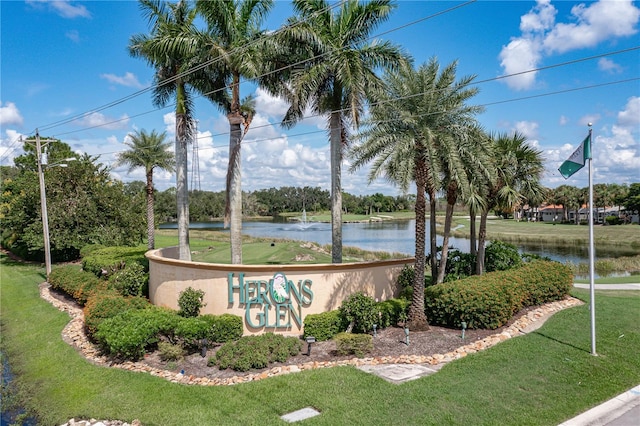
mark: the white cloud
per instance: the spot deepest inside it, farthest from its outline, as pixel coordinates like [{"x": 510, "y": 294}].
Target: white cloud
[
  {"x": 73, "y": 35},
  {"x": 169, "y": 120},
  {"x": 9, "y": 114},
  {"x": 128, "y": 79},
  {"x": 96, "y": 119},
  {"x": 630, "y": 116},
  {"x": 609, "y": 66},
  {"x": 541, "y": 36},
  {"x": 563, "y": 120},
  {"x": 64, "y": 8},
  {"x": 598, "y": 22},
  {"x": 270, "y": 106},
  {"x": 528, "y": 129},
  {"x": 589, "y": 118}
]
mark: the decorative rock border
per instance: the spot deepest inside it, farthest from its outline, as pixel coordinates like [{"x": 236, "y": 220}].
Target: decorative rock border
[{"x": 74, "y": 335}]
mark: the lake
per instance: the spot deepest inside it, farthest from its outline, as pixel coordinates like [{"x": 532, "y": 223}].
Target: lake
[{"x": 394, "y": 236}]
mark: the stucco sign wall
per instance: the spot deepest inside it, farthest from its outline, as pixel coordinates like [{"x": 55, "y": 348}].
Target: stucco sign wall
[{"x": 268, "y": 297}]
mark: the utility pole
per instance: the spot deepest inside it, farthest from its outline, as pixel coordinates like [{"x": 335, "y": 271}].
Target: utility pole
[{"x": 43, "y": 207}]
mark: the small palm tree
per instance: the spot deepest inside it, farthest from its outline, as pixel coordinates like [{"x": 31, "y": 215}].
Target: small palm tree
[
  {"x": 148, "y": 150},
  {"x": 518, "y": 167},
  {"x": 338, "y": 78}
]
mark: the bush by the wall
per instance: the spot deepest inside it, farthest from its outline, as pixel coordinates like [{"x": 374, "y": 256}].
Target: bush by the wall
[
  {"x": 75, "y": 282},
  {"x": 107, "y": 304},
  {"x": 190, "y": 332},
  {"x": 255, "y": 351},
  {"x": 132, "y": 280},
  {"x": 490, "y": 300},
  {"x": 225, "y": 327},
  {"x": 359, "y": 310},
  {"x": 169, "y": 352},
  {"x": 190, "y": 302},
  {"x": 390, "y": 311},
  {"x": 130, "y": 334},
  {"x": 324, "y": 326},
  {"x": 107, "y": 260},
  {"x": 353, "y": 344}
]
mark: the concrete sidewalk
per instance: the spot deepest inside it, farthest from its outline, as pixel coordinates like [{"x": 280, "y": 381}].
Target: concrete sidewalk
[
  {"x": 623, "y": 410},
  {"x": 610, "y": 286}
]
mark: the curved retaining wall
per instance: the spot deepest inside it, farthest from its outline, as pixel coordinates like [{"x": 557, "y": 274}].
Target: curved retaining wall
[{"x": 268, "y": 297}]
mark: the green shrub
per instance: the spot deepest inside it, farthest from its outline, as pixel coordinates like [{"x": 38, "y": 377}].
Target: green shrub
[
  {"x": 613, "y": 220},
  {"x": 353, "y": 344},
  {"x": 128, "y": 335},
  {"x": 90, "y": 248},
  {"x": 169, "y": 352},
  {"x": 225, "y": 328},
  {"x": 501, "y": 256},
  {"x": 545, "y": 281},
  {"x": 485, "y": 301},
  {"x": 75, "y": 282},
  {"x": 324, "y": 326},
  {"x": 490, "y": 300},
  {"x": 255, "y": 352},
  {"x": 459, "y": 265},
  {"x": 390, "y": 311},
  {"x": 131, "y": 280},
  {"x": 107, "y": 304},
  {"x": 360, "y": 311},
  {"x": 190, "y": 331},
  {"x": 106, "y": 261},
  {"x": 190, "y": 302}
]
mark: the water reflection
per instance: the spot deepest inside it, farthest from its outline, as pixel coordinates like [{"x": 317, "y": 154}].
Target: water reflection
[{"x": 396, "y": 236}]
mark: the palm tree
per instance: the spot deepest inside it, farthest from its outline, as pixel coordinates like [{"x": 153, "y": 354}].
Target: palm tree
[
  {"x": 412, "y": 133},
  {"x": 338, "y": 78},
  {"x": 148, "y": 151},
  {"x": 169, "y": 49},
  {"x": 518, "y": 168},
  {"x": 230, "y": 43}
]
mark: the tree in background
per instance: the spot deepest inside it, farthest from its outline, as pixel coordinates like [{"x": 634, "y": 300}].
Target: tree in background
[
  {"x": 148, "y": 150},
  {"x": 84, "y": 204}
]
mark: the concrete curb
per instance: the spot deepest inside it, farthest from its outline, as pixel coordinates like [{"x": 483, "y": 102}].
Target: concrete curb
[{"x": 611, "y": 412}]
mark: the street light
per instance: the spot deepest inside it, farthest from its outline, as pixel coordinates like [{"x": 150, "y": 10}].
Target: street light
[{"x": 43, "y": 202}]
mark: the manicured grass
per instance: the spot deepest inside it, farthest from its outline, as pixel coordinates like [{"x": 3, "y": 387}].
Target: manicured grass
[
  {"x": 543, "y": 378},
  {"x": 513, "y": 231}
]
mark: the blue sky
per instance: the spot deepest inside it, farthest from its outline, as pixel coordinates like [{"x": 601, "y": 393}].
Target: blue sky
[{"x": 64, "y": 58}]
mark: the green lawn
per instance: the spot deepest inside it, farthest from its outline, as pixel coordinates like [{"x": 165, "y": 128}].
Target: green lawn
[
  {"x": 629, "y": 279},
  {"x": 543, "y": 378}
]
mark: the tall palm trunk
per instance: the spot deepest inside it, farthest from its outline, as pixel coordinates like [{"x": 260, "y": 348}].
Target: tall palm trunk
[
  {"x": 235, "y": 188},
  {"x": 150, "y": 216},
  {"x": 452, "y": 191},
  {"x": 432, "y": 236},
  {"x": 473, "y": 247},
  {"x": 482, "y": 236},
  {"x": 233, "y": 210},
  {"x": 335, "y": 137},
  {"x": 182, "y": 190},
  {"x": 417, "y": 319}
]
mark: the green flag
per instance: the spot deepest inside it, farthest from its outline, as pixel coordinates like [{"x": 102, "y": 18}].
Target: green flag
[{"x": 578, "y": 159}]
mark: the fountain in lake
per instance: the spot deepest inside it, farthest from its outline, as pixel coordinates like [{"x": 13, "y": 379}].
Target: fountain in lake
[{"x": 304, "y": 223}]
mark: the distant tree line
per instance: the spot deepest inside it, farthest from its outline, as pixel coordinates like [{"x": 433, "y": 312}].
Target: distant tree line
[
  {"x": 573, "y": 199},
  {"x": 209, "y": 205}
]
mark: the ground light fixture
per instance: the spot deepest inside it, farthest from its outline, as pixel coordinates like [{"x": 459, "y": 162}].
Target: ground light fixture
[
  {"x": 203, "y": 347},
  {"x": 406, "y": 336},
  {"x": 464, "y": 327},
  {"x": 309, "y": 340},
  {"x": 375, "y": 327}
]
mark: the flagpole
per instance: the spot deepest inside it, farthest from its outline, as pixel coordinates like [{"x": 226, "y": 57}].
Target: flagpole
[{"x": 592, "y": 293}]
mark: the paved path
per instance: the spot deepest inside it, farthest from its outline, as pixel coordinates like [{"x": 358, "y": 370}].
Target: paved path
[{"x": 610, "y": 286}]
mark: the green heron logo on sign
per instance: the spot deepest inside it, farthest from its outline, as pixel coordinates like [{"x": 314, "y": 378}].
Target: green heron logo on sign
[{"x": 276, "y": 303}]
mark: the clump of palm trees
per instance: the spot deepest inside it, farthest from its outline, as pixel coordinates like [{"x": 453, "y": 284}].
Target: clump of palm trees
[{"x": 421, "y": 129}]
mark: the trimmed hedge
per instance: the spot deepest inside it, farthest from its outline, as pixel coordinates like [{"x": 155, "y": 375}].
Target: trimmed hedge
[
  {"x": 111, "y": 259},
  {"x": 107, "y": 304},
  {"x": 75, "y": 282},
  {"x": 490, "y": 300},
  {"x": 255, "y": 352},
  {"x": 324, "y": 326},
  {"x": 353, "y": 344},
  {"x": 390, "y": 311}
]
